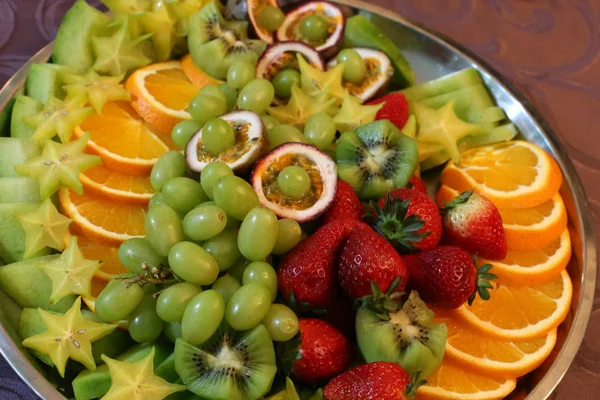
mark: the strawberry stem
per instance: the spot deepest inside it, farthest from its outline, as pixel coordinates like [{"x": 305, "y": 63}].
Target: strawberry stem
[
  {"x": 460, "y": 199},
  {"x": 482, "y": 283},
  {"x": 382, "y": 304},
  {"x": 414, "y": 385}
]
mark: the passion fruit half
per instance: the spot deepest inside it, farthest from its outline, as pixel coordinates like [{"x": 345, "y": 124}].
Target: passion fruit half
[
  {"x": 296, "y": 181},
  {"x": 379, "y": 72},
  {"x": 250, "y": 143},
  {"x": 266, "y": 17},
  {"x": 283, "y": 55},
  {"x": 319, "y": 24}
]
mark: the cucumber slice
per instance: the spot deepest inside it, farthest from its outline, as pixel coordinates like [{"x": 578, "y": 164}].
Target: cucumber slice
[
  {"x": 73, "y": 43},
  {"x": 5, "y": 118},
  {"x": 12, "y": 236},
  {"x": 446, "y": 84},
  {"x": 24, "y": 107},
  {"x": 43, "y": 81},
  {"x": 19, "y": 189},
  {"x": 15, "y": 151}
]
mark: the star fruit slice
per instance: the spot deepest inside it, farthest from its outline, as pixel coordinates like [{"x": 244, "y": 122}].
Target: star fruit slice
[
  {"x": 161, "y": 25},
  {"x": 314, "y": 81},
  {"x": 301, "y": 106},
  {"x": 354, "y": 114},
  {"x": 97, "y": 90}
]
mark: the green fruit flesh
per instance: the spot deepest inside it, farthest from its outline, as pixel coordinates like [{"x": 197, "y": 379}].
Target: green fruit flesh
[
  {"x": 19, "y": 190},
  {"x": 446, "y": 84},
  {"x": 12, "y": 235},
  {"x": 5, "y": 114},
  {"x": 24, "y": 107},
  {"x": 13, "y": 152},
  {"x": 43, "y": 81}
]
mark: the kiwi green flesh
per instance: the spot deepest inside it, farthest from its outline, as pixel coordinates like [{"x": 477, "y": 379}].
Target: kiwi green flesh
[
  {"x": 376, "y": 158},
  {"x": 410, "y": 338},
  {"x": 229, "y": 366}
]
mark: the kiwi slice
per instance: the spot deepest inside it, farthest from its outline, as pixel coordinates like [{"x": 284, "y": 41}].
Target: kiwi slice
[
  {"x": 410, "y": 337},
  {"x": 229, "y": 366},
  {"x": 376, "y": 158}
]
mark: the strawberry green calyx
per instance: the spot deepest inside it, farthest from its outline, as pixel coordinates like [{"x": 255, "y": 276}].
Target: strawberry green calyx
[
  {"x": 59, "y": 165},
  {"x": 391, "y": 222},
  {"x": 44, "y": 227},
  {"x": 314, "y": 81},
  {"x": 68, "y": 336},
  {"x": 460, "y": 199},
  {"x": 382, "y": 304},
  {"x": 97, "y": 90},
  {"x": 354, "y": 114},
  {"x": 414, "y": 385},
  {"x": 482, "y": 283},
  {"x": 301, "y": 106},
  {"x": 58, "y": 118},
  {"x": 137, "y": 380},
  {"x": 287, "y": 353}
]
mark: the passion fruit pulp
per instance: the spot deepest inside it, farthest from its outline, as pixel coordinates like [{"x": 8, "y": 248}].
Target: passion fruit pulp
[
  {"x": 256, "y": 10},
  {"x": 320, "y": 169}
]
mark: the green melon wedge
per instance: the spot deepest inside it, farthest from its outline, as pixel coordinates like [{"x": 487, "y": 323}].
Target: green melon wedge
[
  {"x": 24, "y": 106},
  {"x": 43, "y": 81},
  {"x": 14, "y": 151}
]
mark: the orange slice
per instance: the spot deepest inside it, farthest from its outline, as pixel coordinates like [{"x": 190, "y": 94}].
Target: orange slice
[
  {"x": 526, "y": 228},
  {"x": 515, "y": 174},
  {"x": 103, "y": 181},
  {"x": 161, "y": 94},
  {"x": 195, "y": 74},
  {"x": 102, "y": 220},
  {"x": 492, "y": 357},
  {"x": 521, "y": 312},
  {"x": 111, "y": 265},
  {"x": 453, "y": 382},
  {"x": 122, "y": 139}
]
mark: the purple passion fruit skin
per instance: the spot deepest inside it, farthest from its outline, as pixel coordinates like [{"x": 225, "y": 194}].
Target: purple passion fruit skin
[
  {"x": 320, "y": 168},
  {"x": 290, "y": 29},
  {"x": 254, "y": 8}
]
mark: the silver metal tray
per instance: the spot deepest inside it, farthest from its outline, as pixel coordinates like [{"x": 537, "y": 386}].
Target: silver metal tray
[{"x": 432, "y": 55}]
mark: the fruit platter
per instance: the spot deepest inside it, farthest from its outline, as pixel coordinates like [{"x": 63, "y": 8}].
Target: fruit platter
[{"x": 282, "y": 200}]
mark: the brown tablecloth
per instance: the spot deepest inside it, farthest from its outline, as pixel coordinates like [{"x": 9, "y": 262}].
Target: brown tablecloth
[{"x": 549, "y": 49}]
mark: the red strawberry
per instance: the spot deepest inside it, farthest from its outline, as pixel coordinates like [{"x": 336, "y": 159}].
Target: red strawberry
[
  {"x": 408, "y": 219},
  {"x": 446, "y": 276},
  {"x": 367, "y": 258},
  {"x": 308, "y": 272},
  {"x": 395, "y": 109},
  {"x": 375, "y": 381},
  {"x": 346, "y": 205},
  {"x": 474, "y": 224},
  {"x": 324, "y": 351},
  {"x": 418, "y": 184}
]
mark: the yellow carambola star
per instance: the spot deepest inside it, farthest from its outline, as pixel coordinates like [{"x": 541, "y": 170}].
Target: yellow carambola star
[
  {"x": 353, "y": 114},
  {"x": 314, "y": 81},
  {"x": 137, "y": 380},
  {"x": 68, "y": 336},
  {"x": 301, "y": 106},
  {"x": 97, "y": 89}
]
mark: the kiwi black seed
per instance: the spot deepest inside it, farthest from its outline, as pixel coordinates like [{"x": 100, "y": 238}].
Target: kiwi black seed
[
  {"x": 229, "y": 366},
  {"x": 376, "y": 158},
  {"x": 410, "y": 338}
]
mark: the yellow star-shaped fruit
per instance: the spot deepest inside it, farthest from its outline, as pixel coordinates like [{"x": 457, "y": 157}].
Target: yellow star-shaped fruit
[
  {"x": 137, "y": 380},
  {"x": 71, "y": 273},
  {"x": 98, "y": 90},
  {"x": 126, "y": 6},
  {"x": 443, "y": 127},
  {"x": 314, "y": 81},
  {"x": 45, "y": 227},
  {"x": 353, "y": 114},
  {"x": 68, "y": 336},
  {"x": 161, "y": 25},
  {"x": 301, "y": 106}
]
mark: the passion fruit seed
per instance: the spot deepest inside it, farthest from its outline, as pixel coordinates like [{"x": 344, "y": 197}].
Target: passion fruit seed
[
  {"x": 314, "y": 28},
  {"x": 217, "y": 136},
  {"x": 283, "y": 82},
  {"x": 294, "y": 182},
  {"x": 355, "y": 68},
  {"x": 271, "y": 18}
]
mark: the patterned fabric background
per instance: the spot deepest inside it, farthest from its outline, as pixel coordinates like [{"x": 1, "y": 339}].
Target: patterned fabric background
[{"x": 549, "y": 48}]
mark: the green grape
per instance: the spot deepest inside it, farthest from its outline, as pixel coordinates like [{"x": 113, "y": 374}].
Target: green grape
[
  {"x": 256, "y": 96},
  {"x": 116, "y": 301},
  {"x": 156, "y": 199},
  {"x": 169, "y": 165},
  {"x": 258, "y": 234},
  {"x": 183, "y": 194},
  {"x": 283, "y": 82},
  {"x": 281, "y": 323},
  {"x": 234, "y": 195},
  {"x": 137, "y": 255},
  {"x": 172, "y": 331},
  {"x": 271, "y": 18},
  {"x": 202, "y": 317},
  {"x": 193, "y": 264},
  {"x": 320, "y": 130},
  {"x": 144, "y": 323},
  {"x": 261, "y": 272},
  {"x": 210, "y": 102},
  {"x": 172, "y": 301},
  {"x": 283, "y": 133},
  {"x": 248, "y": 306},
  {"x": 289, "y": 234},
  {"x": 223, "y": 248},
  {"x": 217, "y": 136},
  {"x": 230, "y": 95},
  {"x": 240, "y": 73},
  {"x": 355, "y": 69},
  {"x": 183, "y": 132},
  {"x": 237, "y": 271},
  {"x": 210, "y": 174},
  {"x": 204, "y": 222},
  {"x": 163, "y": 228},
  {"x": 269, "y": 122},
  {"x": 314, "y": 28},
  {"x": 226, "y": 285},
  {"x": 294, "y": 182}
]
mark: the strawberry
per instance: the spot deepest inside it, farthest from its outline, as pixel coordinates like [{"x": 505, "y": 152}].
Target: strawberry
[
  {"x": 375, "y": 381},
  {"x": 324, "y": 351},
  {"x": 395, "y": 109},
  {"x": 474, "y": 224},
  {"x": 408, "y": 219},
  {"x": 418, "y": 184},
  {"x": 446, "y": 276},
  {"x": 346, "y": 204},
  {"x": 368, "y": 259},
  {"x": 307, "y": 274}
]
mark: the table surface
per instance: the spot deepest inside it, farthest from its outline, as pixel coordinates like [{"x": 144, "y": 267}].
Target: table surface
[{"x": 549, "y": 49}]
